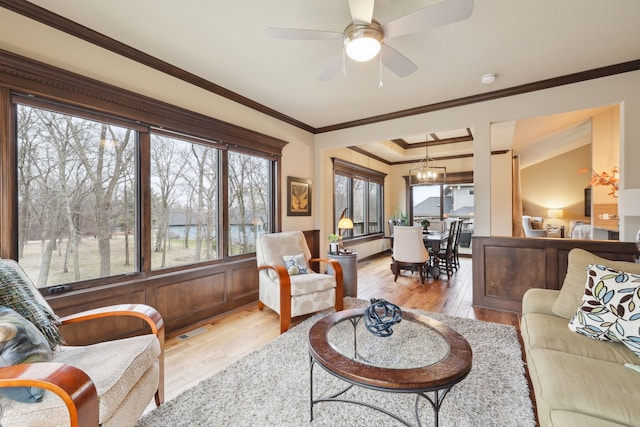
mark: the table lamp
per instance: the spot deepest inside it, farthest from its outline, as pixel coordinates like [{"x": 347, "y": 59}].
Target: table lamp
[
  {"x": 555, "y": 213},
  {"x": 345, "y": 223}
]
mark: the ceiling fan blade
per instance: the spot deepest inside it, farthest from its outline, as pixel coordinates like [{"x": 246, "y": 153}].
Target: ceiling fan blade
[
  {"x": 442, "y": 13},
  {"x": 332, "y": 69},
  {"x": 361, "y": 11},
  {"x": 295, "y": 34},
  {"x": 396, "y": 62}
]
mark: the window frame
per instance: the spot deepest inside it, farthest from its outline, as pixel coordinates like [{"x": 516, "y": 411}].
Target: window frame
[
  {"x": 453, "y": 178},
  {"x": 36, "y": 82},
  {"x": 353, "y": 171}
]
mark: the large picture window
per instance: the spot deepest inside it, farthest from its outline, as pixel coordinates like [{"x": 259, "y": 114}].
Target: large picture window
[
  {"x": 358, "y": 194},
  {"x": 82, "y": 179}
]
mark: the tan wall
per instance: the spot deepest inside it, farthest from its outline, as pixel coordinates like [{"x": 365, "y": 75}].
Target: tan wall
[
  {"x": 555, "y": 184},
  {"x": 501, "y": 212}
]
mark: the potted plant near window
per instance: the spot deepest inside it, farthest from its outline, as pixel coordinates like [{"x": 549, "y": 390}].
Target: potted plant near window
[
  {"x": 404, "y": 219},
  {"x": 334, "y": 241},
  {"x": 401, "y": 218},
  {"x": 425, "y": 225}
]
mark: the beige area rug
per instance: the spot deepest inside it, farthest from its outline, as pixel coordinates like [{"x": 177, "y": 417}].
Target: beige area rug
[{"x": 270, "y": 387}]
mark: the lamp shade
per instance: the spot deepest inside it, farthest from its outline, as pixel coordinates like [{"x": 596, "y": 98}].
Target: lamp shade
[
  {"x": 555, "y": 213},
  {"x": 345, "y": 223}
]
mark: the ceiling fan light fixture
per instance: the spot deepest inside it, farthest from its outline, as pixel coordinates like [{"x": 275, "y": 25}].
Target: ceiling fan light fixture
[{"x": 362, "y": 42}]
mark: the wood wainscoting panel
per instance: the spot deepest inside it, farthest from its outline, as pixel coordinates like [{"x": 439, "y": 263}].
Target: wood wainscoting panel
[
  {"x": 505, "y": 263},
  {"x": 504, "y": 268},
  {"x": 244, "y": 284},
  {"x": 181, "y": 302},
  {"x": 93, "y": 331}
]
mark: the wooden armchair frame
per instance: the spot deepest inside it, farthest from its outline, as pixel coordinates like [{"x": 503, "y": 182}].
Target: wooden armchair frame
[
  {"x": 73, "y": 385},
  {"x": 285, "y": 289}
]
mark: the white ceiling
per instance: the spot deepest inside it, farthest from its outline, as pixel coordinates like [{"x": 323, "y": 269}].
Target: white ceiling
[{"x": 224, "y": 42}]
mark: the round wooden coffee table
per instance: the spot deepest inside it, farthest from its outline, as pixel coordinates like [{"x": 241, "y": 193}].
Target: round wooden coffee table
[{"x": 422, "y": 356}]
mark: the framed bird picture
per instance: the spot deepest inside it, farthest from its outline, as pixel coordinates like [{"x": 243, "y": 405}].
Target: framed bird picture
[{"x": 298, "y": 196}]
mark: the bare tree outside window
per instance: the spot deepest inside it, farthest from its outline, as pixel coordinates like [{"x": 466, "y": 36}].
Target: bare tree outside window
[
  {"x": 184, "y": 207},
  {"x": 249, "y": 201},
  {"x": 73, "y": 175}
]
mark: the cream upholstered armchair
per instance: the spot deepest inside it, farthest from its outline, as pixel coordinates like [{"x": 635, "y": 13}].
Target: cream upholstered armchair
[
  {"x": 529, "y": 224},
  {"x": 409, "y": 252},
  {"x": 288, "y": 286},
  {"x": 108, "y": 383}
]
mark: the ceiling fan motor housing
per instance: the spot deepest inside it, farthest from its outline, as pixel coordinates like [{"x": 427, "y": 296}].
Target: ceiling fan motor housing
[{"x": 362, "y": 41}]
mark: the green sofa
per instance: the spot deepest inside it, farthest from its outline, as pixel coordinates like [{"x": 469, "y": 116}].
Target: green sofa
[{"x": 577, "y": 380}]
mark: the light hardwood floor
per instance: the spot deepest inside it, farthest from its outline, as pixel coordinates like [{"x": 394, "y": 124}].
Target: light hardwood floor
[{"x": 227, "y": 338}]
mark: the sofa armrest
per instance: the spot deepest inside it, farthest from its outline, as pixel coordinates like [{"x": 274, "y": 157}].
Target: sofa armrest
[
  {"x": 145, "y": 312},
  {"x": 71, "y": 384},
  {"x": 538, "y": 300}
]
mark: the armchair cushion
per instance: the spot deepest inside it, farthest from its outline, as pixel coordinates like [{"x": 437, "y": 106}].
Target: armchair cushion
[
  {"x": 18, "y": 293},
  {"x": 536, "y": 225},
  {"x": 295, "y": 264},
  {"x": 21, "y": 342}
]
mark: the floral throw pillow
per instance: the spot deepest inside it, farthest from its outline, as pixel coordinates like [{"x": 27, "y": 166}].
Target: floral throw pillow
[
  {"x": 295, "y": 264},
  {"x": 610, "y": 309}
]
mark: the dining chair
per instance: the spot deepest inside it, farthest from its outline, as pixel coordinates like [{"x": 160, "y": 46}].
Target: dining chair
[
  {"x": 445, "y": 254},
  {"x": 409, "y": 252},
  {"x": 456, "y": 245}
]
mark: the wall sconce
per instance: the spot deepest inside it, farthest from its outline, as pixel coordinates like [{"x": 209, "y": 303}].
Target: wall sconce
[{"x": 555, "y": 213}]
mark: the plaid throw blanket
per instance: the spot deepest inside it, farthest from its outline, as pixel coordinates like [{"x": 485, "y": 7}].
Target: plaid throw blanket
[{"x": 16, "y": 293}]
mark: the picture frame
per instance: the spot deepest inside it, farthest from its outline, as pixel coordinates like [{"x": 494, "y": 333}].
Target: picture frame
[{"x": 298, "y": 196}]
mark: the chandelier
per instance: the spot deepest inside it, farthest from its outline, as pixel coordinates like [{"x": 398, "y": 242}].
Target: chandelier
[{"x": 426, "y": 173}]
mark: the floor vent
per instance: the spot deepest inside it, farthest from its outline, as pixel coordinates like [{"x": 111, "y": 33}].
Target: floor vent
[{"x": 192, "y": 333}]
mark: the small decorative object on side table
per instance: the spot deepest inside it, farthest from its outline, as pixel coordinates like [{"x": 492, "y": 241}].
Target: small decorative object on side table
[{"x": 334, "y": 243}]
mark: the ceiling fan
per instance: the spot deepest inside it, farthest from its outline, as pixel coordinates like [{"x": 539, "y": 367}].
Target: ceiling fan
[{"x": 365, "y": 37}]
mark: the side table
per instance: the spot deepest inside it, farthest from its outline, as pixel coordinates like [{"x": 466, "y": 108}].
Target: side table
[
  {"x": 557, "y": 232},
  {"x": 349, "y": 263}
]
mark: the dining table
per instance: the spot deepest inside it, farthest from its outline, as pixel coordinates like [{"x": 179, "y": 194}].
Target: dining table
[{"x": 433, "y": 241}]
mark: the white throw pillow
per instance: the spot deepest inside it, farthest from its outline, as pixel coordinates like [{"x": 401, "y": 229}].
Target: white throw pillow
[
  {"x": 295, "y": 264},
  {"x": 610, "y": 309}
]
